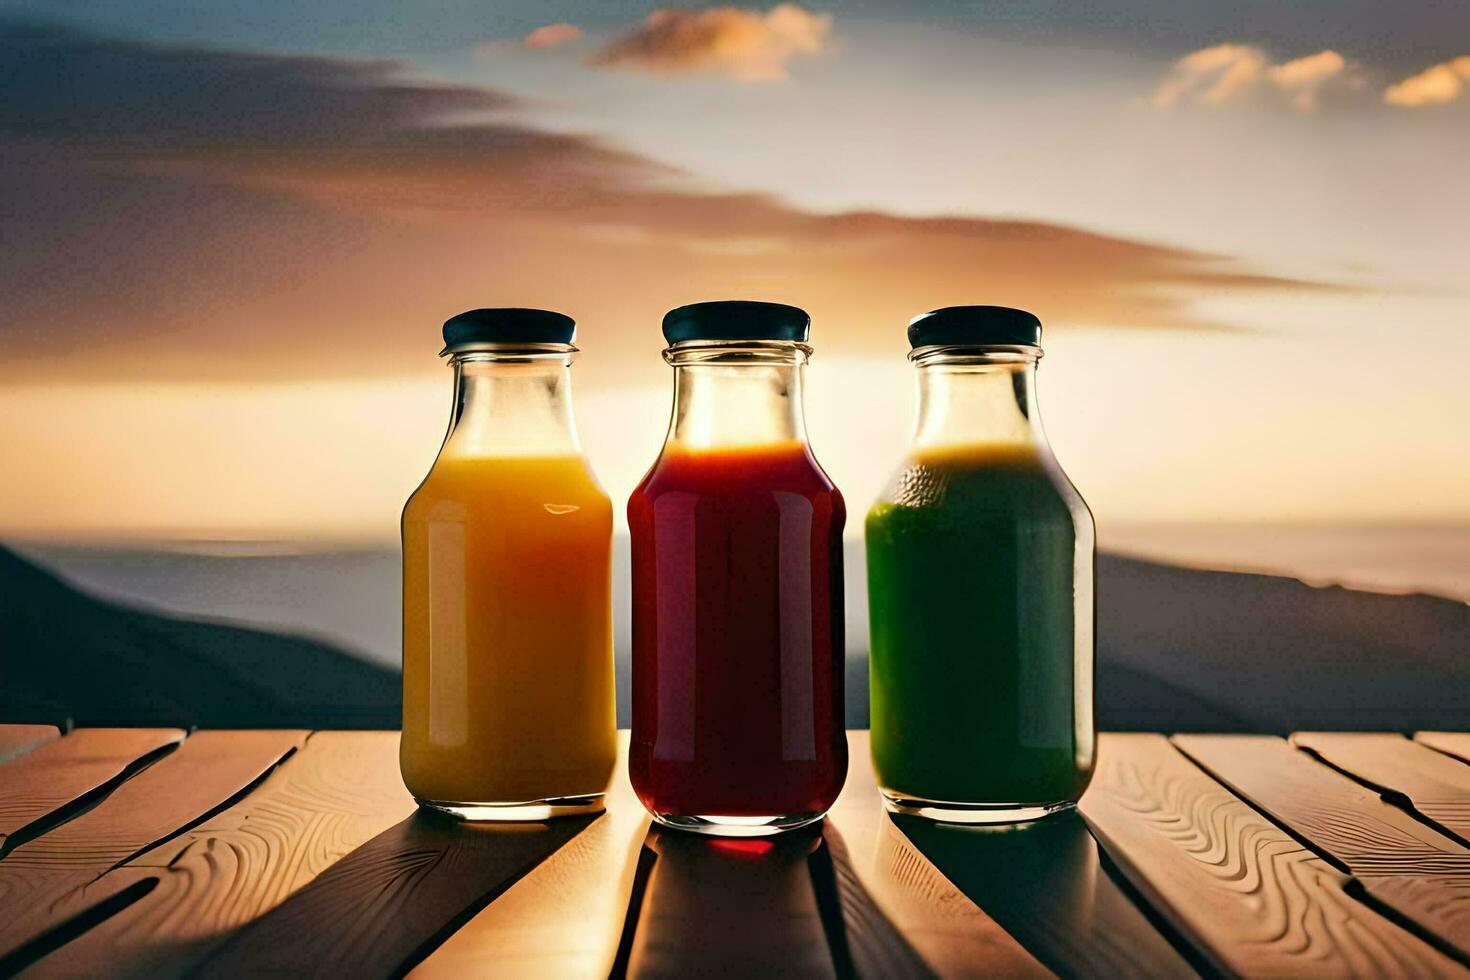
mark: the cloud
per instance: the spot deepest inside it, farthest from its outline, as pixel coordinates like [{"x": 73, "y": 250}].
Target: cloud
[
  {"x": 1302, "y": 80},
  {"x": 744, "y": 44},
  {"x": 1226, "y": 73},
  {"x": 552, "y": 35},
  {"x": 1441, "y": 83},
  {"x": 161, "y": 224},
  {"x": 1210, "y": 75}
]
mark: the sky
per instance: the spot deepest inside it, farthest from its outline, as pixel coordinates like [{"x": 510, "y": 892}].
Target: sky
[{"x": 231, "y": 235}]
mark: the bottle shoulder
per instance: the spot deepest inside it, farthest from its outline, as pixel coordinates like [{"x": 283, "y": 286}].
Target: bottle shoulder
[
  {"x": 506, "y": 481},
  {"x": 980, "y": 480},
  {"x": 734, "y": 472}
]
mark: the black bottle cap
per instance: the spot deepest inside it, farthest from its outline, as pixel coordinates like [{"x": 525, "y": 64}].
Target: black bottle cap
[
  {"x": 978, "y": 325},
  {"x": 736, "y": 319},
  {"x": 507, "y": 325}
]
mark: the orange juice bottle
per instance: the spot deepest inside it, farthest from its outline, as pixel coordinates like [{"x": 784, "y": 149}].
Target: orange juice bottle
[{"x": 507, "y": 562}]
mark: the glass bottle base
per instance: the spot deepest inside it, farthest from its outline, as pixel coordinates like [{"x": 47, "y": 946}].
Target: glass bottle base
[
  {"x": 948, "y": 811},
  {"x": 529, "y": 811},
  {"x": 722, "y": 826}
]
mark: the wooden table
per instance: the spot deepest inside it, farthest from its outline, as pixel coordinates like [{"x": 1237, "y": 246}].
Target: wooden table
[{"x": 146, "y": 852}]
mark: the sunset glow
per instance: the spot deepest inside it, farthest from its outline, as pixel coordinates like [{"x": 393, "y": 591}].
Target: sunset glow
[{"x": 223, "y": 298}]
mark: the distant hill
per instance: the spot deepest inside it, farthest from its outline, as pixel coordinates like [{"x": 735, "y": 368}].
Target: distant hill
[
  {"x": 1178, "y": 650},
  {"x": 65, "y": 655},
  {"x": 1182, "y": 649}
]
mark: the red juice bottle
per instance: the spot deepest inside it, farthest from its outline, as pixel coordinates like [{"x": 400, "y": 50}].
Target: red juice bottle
[{"x": 737, "y": 587}]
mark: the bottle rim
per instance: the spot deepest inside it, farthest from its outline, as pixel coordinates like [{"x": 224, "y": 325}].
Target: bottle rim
[
  {"x": 509, "y": 353},
  {"x": 738, "y": 351},
  {"x": 977, "y": 355}
]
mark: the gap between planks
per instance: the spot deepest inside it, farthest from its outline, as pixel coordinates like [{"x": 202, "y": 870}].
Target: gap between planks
[
  {"x": 62, "y": 778},
  {"x": 1427, "y": 784}
]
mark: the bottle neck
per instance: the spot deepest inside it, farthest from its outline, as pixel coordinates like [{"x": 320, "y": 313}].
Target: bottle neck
[
  {"x": 512, "y": 404},
  {"x": 977, "y": 397},
  {"x": 728, "y": 396}
]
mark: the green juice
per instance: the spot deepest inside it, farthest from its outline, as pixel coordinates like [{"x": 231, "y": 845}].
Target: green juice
[{"x": 972, "y": 578}]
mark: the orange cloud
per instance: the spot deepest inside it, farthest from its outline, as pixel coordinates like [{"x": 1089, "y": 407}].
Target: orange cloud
[
  {"x": 744, "y": 44},
  {"x": 552, "y": 35},
  {"x": 1302, "y": 80},
  {"x": 1210, "y": 75},
  {"x": 1441, "y": 83},
  {"x": 1225, "y": 73}
]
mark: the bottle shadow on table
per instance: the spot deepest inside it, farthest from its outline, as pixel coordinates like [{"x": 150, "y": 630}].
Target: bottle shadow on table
[
  {"x": 386, "y": 905},
  {"x": 1050, "y": 886},
  {"x": 783, "y": 905}
]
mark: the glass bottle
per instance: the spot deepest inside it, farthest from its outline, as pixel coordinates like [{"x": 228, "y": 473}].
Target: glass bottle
[
  {"x": 980, "y": 589},
  {"x": 737, "y": 587},
  {"x": 507, "y": 564}
]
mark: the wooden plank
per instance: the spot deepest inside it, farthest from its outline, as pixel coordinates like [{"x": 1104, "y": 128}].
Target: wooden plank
[
  {"x": 17, "y": 740},
  {"x": 730, "y": 907},
  {"x": 1456, "y": 744},
  {"x": 945, "y": 930},
  {"x": 1350, "y": 825},
  {"x": 42, "y": 788},
  {"x": 204, "y": 773},
  {"x": 380, "y": 909},
  {"x": 1409, "y": 775},
  {"x": 565, "y": 917},
  {"x": 1046, "y": 885},
  {"x": 864, "y": 941},
  {"x": 951, "y": 934},
  {"x": 335, "y": 794},
  {"x": 1254, "y": 901}
]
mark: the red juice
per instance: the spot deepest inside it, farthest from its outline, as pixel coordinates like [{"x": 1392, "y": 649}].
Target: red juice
[{"x": 737, "y": 634}]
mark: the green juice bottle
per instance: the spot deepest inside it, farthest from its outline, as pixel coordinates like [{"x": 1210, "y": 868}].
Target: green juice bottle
[{"x": 980, "y": 589}]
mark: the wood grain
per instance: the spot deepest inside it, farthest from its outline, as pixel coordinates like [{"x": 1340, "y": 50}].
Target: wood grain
[
  {"x": 17, "y": 740},
  {"x": 204, "y": 773},
  {"x": 565, "y": 917},
  {"x": 1409, "y": 775},
  {"x": 42, "y": 788},
  {"x": 1456, "y": 744},
  {"x": 951, "y": 934},
  {"x": 1254, "y": 901},
  {"x": 1351, "y": 825},
  {"x": 335, "y": 794},
  {"x": 380, "y": 909}
]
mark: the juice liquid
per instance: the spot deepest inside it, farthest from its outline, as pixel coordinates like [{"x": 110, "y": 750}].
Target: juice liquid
[
  {"x": 970, "y": 582},
  {"x": 507, "y": 634},
  {"x": 737, "y": 634}
]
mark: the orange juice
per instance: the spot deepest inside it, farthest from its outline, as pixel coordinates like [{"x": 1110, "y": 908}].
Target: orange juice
[{"x": 507, "y": 636}]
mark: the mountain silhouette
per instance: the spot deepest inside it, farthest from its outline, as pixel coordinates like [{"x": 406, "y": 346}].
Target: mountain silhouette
[
  {"x": 1179, "y": 649},
  {"x": 66, "y": 656}
]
